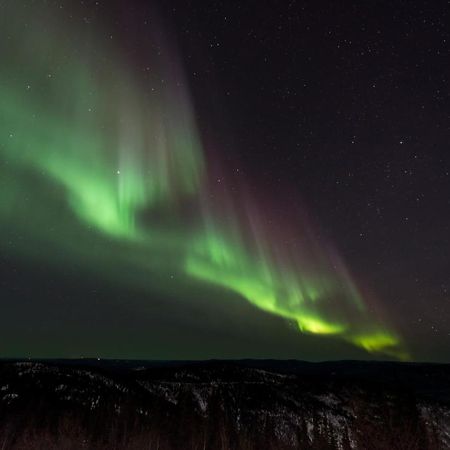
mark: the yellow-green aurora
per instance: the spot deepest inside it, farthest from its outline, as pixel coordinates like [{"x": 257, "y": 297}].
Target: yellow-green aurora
[{"x": 86, "y": 140}]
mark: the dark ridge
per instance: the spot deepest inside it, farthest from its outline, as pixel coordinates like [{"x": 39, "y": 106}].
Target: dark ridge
[{"x": 242, "y": 404}]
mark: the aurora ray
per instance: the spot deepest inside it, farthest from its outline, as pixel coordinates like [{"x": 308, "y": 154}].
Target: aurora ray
[{"x": 90, "y": 143}]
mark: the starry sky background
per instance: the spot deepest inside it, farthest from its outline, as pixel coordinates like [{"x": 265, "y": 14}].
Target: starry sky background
[{"x": 342, "y": 107}]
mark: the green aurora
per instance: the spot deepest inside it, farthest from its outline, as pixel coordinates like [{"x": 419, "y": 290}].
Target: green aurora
[{"x": 88, "y": 145}]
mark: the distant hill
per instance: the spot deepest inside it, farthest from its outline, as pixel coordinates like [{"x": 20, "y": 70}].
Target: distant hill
[{"x": 246, "y": 404}]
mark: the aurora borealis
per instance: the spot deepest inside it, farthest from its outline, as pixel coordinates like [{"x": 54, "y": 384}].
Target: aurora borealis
[
  {"x": 130, "y": 168},
  {"x": 102, "y": 171}
]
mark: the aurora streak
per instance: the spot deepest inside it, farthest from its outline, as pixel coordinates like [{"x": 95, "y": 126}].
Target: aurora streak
[{"x": 90, "y": 146}]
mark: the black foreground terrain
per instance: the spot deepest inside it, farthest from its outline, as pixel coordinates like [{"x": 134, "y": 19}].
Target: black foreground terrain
[{"x": 90, "y": 404}]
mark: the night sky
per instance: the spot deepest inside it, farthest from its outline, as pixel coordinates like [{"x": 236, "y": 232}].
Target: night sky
[{"x": 184, "y": 180}]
